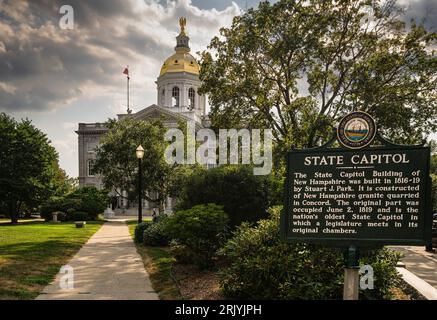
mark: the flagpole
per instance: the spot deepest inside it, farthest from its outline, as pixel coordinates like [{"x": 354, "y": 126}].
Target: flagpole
[
  {"x": 128, "y": 110},
  {"x": 126, "y": 72}
]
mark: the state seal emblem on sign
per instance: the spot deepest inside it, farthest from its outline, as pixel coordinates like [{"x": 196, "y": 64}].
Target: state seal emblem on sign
[{"x": 356, "y": 130}]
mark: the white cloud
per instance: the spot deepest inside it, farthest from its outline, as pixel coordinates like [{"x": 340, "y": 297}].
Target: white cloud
[
  {"x": 69, "y": 125},
  {"x": 8, "y": 88}
]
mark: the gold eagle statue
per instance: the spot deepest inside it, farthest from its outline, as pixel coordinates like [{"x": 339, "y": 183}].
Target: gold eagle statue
[{"x": 183, "y": 23}]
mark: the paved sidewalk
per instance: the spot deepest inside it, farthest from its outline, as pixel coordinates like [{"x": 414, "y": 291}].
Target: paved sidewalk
[
  {"x": 106, "y": 267},
  {"x": 423, "y": 264}
]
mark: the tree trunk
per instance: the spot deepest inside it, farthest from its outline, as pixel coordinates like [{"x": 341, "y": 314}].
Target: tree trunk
[
  {"x": 13, "y": 211},
  {"x": 14, "y": 218},
  {"x": 161, "y": 207}
]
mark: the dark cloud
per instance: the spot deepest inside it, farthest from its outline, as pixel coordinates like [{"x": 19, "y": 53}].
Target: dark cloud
[{"x": 44, "y": 67}]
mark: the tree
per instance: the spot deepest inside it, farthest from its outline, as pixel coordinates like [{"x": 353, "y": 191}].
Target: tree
[
  {"x": 298, "y": 66},
  {"x": 244, "y": 196},
  {"x": 61, "y": 183},
  {"x": 117, "y": 163},
  {"x": 27, "y": 163}
]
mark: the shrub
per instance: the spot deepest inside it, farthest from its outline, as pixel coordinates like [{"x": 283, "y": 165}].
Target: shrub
[
  {"x": 160, "y": 217},
  {"x": 91, "y": 200},
  {"x": 85, "y": 199},
  {"x": 69, "y": 214},
  {"x": 139, "y": 230},
  {"x": 80, "y": 216},
  {"x": 181, "y": 252},
  {"x": 154, "y": 235},
  {"x": 63, "y": 204},
  {"x": 383, "y": 262},
  {"x": 261, "y": 266},
  {"x": 201, "y": 230},
  {"x": 244, "y": 196}
]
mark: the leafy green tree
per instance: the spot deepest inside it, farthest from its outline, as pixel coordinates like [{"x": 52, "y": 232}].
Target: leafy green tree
[
  {"x": 117, "y": 162},
  {"x": 27, "y": 167},
  {"x": 298, "y": 66},
  {"x": 244, "y": 196},
  {"x": 61, "y": 183}
]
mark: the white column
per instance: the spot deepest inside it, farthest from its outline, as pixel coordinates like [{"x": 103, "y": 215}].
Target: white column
[
  {"x": 183, "y": 94},
  {"x": 168, "y": 89},
  {"x": 197, "y": 102}
]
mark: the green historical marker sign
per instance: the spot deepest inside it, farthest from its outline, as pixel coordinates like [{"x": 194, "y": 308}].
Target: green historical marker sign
[{"x": 356, "y": 195}]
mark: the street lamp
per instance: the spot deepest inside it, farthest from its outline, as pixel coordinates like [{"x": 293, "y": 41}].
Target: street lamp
[{"x": 140, "y": 154}]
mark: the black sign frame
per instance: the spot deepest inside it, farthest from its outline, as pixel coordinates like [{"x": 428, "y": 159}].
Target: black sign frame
[{"x": 334, "y": 241}]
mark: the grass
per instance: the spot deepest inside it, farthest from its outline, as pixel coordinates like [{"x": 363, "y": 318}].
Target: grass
[
  {"x": 32, "y": 253},
  {"x": 158, "y": 263},
  {"x": 21, "y": 220}
]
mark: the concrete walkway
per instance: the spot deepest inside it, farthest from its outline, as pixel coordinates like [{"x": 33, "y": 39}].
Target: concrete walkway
[
  {"x": 106, "y": 267},
  {"x": 423, "y": 264}
]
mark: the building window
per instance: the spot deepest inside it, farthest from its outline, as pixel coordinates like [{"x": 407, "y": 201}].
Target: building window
[
  {"x": 163, "y": 97},
  {"x": 90, "y": 168},
  {"x": 175, "y": 97},
  {"x": 91, "y": 145},
  {"x": 191, "y": 98}
]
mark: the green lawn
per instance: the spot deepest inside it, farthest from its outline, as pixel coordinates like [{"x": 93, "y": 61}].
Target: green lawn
[
  {"x": 32, "y": 253},
  {"x": 21, "y": 220},
  {"x": 158, "y": 263}
]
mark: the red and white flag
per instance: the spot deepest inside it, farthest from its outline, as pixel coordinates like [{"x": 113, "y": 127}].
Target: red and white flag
[{"x": 126, "y": 71}]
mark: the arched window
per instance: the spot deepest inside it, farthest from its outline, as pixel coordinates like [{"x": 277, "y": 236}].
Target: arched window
[
  {"x": 175, "y": 97},
  {"x": 90, "y": 168},
  {"x": 191, "y": 98},
  {"x": 163, "y": 97}
]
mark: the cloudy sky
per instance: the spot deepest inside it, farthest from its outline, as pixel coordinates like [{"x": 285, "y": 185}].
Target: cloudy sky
[{"x": 59, "y": 78}]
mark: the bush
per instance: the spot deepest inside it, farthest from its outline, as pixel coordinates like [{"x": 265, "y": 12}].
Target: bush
[
  {"x": 182, "y": 253},
  {"x": 80, "y": 216},
  {"x": 154, "y": 235},
  {"x": 201, "y": 230},
  {"x": 91, "y": 200},
  {"x": 261, "y": 266},
  {"x": 63, "y": 204},
  {"x": 139, "y": 230},
  {"x": 160, "y": 217},
  {"x": 244, "y": 196},
  {"x": 383, "y": 262},
  {"x": 85, "y": 199}
]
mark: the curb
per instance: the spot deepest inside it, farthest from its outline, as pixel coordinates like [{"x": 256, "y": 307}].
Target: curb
[{"x": 423, "y": 287}]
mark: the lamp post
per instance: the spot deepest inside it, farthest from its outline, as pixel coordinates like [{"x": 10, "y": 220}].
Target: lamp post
[{"x": 140, "y": 153}]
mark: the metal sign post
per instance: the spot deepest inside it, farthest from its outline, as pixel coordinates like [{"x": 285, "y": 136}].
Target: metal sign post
[{"x": 351, "y": 274}]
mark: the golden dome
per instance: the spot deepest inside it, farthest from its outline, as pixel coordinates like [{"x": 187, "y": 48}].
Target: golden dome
[{"x": 182, "y": 60}]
